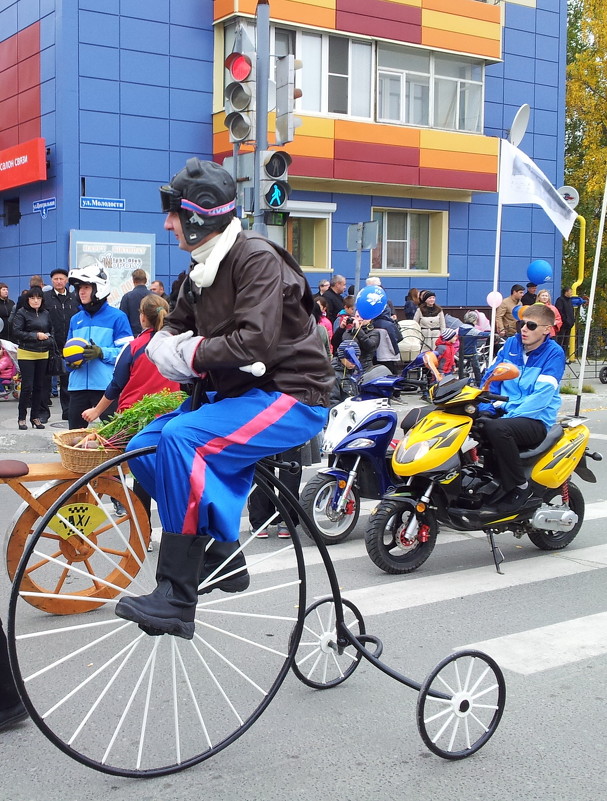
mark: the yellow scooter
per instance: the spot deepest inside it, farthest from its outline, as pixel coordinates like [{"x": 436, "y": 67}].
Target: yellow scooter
[{"x": 448, "y": 479}]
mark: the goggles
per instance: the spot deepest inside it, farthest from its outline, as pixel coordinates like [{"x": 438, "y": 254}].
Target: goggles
[{"x": 172, "y": 200}]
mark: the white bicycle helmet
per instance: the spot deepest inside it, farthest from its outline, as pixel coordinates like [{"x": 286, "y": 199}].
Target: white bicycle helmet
[{"x": 91, "y": 271}]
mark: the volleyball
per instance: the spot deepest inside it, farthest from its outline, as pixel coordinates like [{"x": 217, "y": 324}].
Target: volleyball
[{"x": 72, "y": 351}]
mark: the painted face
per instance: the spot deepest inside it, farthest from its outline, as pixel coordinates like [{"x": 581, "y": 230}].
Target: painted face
[{"x": 85, "y": 293}]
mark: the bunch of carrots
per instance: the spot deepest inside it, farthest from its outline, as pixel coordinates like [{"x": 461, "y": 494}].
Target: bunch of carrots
[{"x": 122, "y": 426}]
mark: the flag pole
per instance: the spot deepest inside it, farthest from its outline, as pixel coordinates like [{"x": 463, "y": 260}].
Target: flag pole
[
  {"x": 595, "y": 272},
  {"x": 496, "y": 263}
]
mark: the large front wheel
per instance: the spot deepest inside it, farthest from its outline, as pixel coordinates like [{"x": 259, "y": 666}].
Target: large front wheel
[
  {"x": 124, "y": 702},
  {"x": 320, "y": 498},
  {"x": 392, "y": 545},
  {"x": 556, "y": 540}
]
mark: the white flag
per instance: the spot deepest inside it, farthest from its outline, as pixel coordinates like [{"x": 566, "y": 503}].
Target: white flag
[{"x": 522, "y": 181}]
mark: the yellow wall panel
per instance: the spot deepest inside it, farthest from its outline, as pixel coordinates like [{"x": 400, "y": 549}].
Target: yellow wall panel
[
  {"x": 316, "y": 126},
  {"x": 469, "y": 162},
  {"x": 373, "y": 132},
  {"x": 457, "y": 24},
  {"x": 456, "y": 143},
  {"x": 461, "y": 43}
]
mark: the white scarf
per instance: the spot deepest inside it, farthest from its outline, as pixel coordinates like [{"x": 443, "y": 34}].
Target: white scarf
[{"x": 208, "y": 259}]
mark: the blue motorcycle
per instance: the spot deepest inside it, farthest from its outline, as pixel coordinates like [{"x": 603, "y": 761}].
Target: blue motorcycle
[{"x": 359, "y": 441}]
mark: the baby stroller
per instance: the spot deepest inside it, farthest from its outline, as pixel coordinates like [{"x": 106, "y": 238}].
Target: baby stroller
[{"x": 10, "y": 380}]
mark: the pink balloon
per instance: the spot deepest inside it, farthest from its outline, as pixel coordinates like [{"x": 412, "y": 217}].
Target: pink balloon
[{"x": 494, "y": 299}]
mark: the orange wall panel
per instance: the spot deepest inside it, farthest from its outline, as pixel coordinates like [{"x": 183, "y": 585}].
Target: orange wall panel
[
  {"x": 465, "y": 8},
  {"x": 375, "y": 132},
  {"x": 447, "y": 160},
  {"x": 461, "y": 42}
]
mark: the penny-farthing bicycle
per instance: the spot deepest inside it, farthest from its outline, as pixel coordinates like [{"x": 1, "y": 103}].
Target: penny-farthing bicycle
[{"x": 126, "y": 703}]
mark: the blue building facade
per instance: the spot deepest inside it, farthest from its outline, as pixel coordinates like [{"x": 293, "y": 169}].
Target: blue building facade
[{"x": 128, "y": 91}]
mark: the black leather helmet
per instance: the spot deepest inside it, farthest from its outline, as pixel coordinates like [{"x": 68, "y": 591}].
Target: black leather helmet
[{"x": 204, "y": 196}]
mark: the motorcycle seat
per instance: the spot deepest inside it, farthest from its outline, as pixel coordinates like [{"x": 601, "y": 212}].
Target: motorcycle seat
[{"x": 552, "y": 437}]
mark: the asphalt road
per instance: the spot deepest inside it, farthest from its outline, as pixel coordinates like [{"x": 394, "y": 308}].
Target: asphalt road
[{"x": 544, "y": 620}]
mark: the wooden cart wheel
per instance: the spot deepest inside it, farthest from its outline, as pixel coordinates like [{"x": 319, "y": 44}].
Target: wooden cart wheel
[{"x": 75, "y": 544}]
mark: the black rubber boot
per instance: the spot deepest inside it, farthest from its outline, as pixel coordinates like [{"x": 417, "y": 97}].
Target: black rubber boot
[
  {"x": 216, "y": 554},
  {"x": 171, "y": 607}
]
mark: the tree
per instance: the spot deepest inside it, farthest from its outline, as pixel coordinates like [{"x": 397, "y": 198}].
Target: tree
[{"x": 586, "y": 134}]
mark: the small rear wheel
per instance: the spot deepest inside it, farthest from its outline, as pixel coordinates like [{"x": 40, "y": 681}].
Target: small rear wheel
[
  {"x": 319, "y": 497},
  {"x": 323, "y": 660},
  {"x": 460, "y": 704},
  {"x": 603, "y": 375},
  {"x": 388, "y": 544},
  {"x": 547, "y": 540}
]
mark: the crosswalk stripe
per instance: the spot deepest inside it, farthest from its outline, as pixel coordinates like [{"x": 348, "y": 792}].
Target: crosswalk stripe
[
  {"x": 419, "y": 591},
  {"x": 548, "y": 647}
]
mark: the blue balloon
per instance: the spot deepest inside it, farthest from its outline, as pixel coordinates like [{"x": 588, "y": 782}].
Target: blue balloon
[
  {"x": 539, "y": 271},
  {"x": 370, "y": 302}
]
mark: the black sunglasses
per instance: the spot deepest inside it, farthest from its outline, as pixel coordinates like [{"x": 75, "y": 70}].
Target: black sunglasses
[{"x": 531, "y": 325}]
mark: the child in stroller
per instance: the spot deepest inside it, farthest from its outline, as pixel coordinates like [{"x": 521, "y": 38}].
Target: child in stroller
[{"x": 8, "y": 368}]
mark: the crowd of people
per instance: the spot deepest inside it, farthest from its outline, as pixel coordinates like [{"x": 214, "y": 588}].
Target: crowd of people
[{"x": 45, "y": 317}]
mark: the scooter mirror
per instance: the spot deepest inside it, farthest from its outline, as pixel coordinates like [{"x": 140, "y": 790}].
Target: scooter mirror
[
  {"x": 431, "y": 363},
  {"x": 503, "y": 371}
]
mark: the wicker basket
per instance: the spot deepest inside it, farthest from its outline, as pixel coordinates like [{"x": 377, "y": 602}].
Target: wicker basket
[{"x": 80, "y": 460}]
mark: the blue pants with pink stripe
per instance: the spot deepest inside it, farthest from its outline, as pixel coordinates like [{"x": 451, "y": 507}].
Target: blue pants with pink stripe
[{"x": 202, "y": 470}]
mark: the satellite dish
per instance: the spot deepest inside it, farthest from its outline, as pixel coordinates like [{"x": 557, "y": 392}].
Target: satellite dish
[
  {"x": 519, "y": 125},
  {"x": 570, "y": 195}
]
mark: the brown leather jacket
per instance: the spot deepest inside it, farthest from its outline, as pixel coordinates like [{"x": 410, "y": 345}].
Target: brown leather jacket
[{"x": 257, "y": 309}]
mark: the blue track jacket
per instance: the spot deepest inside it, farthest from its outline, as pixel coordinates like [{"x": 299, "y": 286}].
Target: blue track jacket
[
  {"x": 110, "y": 329},
  {"x": 535, "y": 393}
]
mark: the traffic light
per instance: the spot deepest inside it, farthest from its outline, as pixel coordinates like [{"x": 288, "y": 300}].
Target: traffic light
[
  {"x": 286, "y": 94},
  {"x": 240, "y": 96},
  {"x": 275, "y": 189}
]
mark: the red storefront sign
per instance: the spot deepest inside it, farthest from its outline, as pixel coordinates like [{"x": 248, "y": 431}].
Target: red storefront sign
[{"x": 23, "y": 164}]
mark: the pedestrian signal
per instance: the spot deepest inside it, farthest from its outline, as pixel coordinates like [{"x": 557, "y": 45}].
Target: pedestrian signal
[{"x": 275, "y": 189}]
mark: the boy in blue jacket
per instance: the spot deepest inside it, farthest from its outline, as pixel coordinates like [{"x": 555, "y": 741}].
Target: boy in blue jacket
[
  {"x": 105, "y": 328},
  {"x": 534, "y": 401}
]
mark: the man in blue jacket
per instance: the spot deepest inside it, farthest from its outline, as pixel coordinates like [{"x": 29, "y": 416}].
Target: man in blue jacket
[
  {"x": 532, "y": 406},
  {"x": 106, "y": 329}
]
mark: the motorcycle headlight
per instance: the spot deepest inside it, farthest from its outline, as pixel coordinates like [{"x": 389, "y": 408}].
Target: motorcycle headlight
[
  {"x": 405, "y": 454},
  {"x": 360, "y": 442}
]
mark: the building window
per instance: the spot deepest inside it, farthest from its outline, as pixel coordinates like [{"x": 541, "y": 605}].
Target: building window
[
  {"x": 410, "y": 241},
  {"x": 429, "y": 89},
  {"x": 337, "y": 75},
  {"x": 12, "y": 211}
]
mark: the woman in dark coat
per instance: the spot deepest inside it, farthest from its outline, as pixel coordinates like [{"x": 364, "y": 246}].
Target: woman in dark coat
[
  {"x": 6, "y": 307},
  {"x": 32, "y": 329}
]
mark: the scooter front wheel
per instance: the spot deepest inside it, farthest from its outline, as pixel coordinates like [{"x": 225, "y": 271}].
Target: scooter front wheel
[
  {"x": 319, "y": 498},
  {"x": 388, "y": 544}
]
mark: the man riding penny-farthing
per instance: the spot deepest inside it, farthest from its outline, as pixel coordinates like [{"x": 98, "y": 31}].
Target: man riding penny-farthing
[{"x": 107, "y": 687}]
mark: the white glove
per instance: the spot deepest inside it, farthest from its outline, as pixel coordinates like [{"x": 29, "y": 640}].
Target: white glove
[
  {"x": 163, "y": 351},
  {"x": 187, "y": 350}
]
